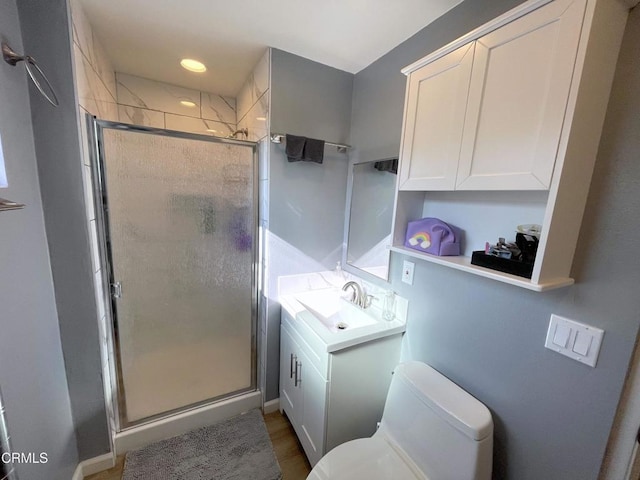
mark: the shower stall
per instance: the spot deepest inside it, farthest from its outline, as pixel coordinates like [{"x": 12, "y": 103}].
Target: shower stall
[{"x": 177, "y": 222}]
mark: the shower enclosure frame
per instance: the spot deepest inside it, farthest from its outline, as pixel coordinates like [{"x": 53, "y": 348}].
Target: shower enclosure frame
[{"x": 116, "y": 387}]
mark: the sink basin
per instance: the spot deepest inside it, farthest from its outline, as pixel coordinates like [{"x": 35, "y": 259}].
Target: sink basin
[{"x": 334, "y": 312}]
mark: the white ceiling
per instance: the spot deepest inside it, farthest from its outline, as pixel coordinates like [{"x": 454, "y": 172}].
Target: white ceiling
[{"x": 148, "y": 37}]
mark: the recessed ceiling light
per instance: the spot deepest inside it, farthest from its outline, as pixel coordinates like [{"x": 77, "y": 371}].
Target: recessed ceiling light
[
  {"x": 187, "y": 103},
  {"x": 193, "y": 65}
]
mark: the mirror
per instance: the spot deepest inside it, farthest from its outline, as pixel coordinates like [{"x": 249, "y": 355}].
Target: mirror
[{"x": 369, "y": 214}]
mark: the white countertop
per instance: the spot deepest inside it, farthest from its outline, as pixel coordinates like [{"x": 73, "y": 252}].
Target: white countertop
[{"x": 335, "y": 341}]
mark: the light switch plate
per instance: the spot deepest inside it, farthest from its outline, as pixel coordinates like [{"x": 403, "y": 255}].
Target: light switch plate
[
  {"x": 407, "y": 272},
  {"x": 582, "y": 342},
  {"x": 561, "y": 335}
]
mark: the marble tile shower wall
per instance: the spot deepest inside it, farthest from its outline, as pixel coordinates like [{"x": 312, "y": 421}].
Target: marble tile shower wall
[
  {"x": 156, "y": 104},
  {"x": 95, "y": 77},
  {"x": 129, "y": 99},
  {"x": 253, "y": 100}
]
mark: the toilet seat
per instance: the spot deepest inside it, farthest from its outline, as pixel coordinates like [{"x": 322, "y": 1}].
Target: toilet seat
[{"x": 365, "y": 458}]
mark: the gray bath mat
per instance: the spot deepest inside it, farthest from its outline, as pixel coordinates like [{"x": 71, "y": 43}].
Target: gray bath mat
[{"x": 236, "y": 449}]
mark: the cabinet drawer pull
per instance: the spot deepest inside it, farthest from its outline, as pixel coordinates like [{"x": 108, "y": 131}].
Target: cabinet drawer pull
[
  {"x": 298, "y": 379},
  {"x": 291, "y": 360}
]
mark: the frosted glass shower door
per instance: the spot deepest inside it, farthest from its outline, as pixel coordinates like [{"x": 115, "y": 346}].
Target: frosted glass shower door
[{"x": 180, "y": 215}]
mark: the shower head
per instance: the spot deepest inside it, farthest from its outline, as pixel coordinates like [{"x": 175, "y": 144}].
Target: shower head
[{"x": 244, "y": 131}]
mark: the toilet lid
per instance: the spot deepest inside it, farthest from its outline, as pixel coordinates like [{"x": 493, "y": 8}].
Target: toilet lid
[{"x": 365, "y": 458}]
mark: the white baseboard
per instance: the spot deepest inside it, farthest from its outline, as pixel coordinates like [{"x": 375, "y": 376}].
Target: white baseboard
[
  {"x": 98, "y": 464},
  {"x": 77, "y": 475},
  {"x": 138, "y": 437},
  {"x": 271, "y": 406},
  {"x": 94, "y": 465}
]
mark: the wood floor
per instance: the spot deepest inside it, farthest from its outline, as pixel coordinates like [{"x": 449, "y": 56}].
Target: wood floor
[{"x": 292, "y": 460}]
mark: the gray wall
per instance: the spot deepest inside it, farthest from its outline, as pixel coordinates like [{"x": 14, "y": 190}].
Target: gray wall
[
  {"x": 312, "y": 100},
  {"x": 47, "y": 38},
  {"x": 306, "y": 200},
  {"x": 32, "y": 375},
  {"x": 552, "y": 415}
]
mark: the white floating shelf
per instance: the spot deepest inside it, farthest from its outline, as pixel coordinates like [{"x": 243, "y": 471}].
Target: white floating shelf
[{"x": 464, "y": 264}]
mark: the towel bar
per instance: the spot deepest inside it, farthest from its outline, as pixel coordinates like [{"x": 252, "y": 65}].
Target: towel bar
[{"x": 280, "y": 137}]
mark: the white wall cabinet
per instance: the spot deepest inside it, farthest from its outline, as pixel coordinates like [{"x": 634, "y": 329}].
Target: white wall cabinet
[
  {"x": 517, "y": 99},
  {"x": 488, "y": 115},
  {"x": 538, "y": 81},
  {"x": 331, "y": 398},
  {"x": 434, "y": 118}
]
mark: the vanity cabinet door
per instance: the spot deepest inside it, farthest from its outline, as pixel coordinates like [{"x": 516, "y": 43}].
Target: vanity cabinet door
[
  {"x": 303, "y": 392},
  {"x": 290, "y": 393},
  {"x": 518, "y": 95},
  {"x": 314, "y": 393},
  {"x": 434, "y": 119}
]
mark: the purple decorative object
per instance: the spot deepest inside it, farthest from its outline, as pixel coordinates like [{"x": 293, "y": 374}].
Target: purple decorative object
[
  {"x": 243, "y": 241},
  {"x": 431, "y": 235}
]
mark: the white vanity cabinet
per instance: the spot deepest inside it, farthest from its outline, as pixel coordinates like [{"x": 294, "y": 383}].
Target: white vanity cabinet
[
  {"x": 290, "y": 394},
  {"x": 488, "y": 116},
  {"x": 302, "y": 394},
  {"x": 533, "y": 87},
  {"x": 332, "y": 397}
]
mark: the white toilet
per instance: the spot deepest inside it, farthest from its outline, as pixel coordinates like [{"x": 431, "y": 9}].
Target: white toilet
[{"x": 431, "y": 429}]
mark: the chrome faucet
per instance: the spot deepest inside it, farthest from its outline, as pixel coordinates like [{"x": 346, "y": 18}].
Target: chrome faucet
[{"x": 358, "y": 297}]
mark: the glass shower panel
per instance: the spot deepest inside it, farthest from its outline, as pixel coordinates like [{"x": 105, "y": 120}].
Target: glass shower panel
[{"x": 181, "y": 227}]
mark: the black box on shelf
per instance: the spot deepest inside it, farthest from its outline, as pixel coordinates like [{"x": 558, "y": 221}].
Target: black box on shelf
[{"x": 506, "y": 265}]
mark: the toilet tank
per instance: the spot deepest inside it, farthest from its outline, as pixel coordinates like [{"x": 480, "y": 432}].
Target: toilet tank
[{"x": 447, "y": 433}]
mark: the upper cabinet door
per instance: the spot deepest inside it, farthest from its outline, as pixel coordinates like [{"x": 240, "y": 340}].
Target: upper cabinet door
[
  {"x": 517, "y": 99},
  {"x": 434, "y": 119}
]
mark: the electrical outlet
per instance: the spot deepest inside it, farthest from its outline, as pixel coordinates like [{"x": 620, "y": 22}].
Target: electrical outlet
[{"x": 407, "y": 272}]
